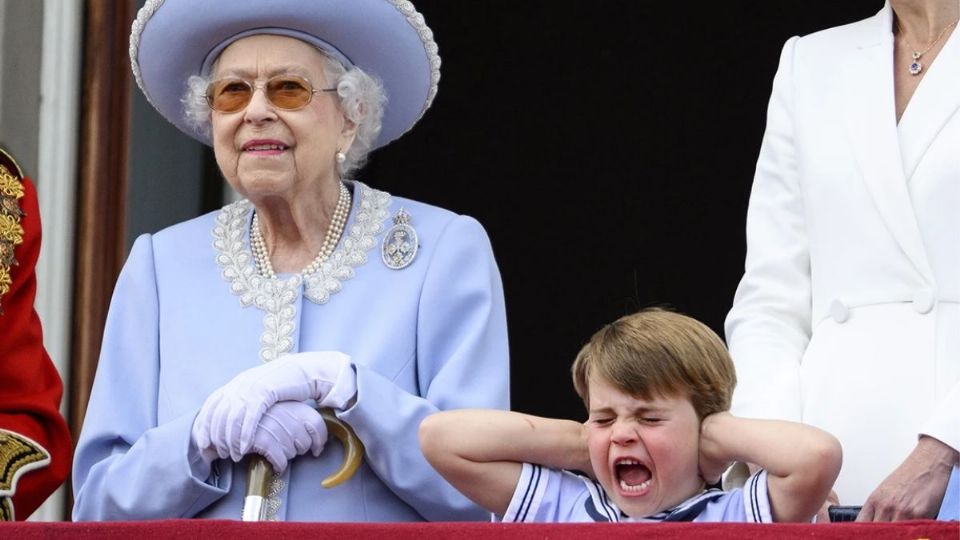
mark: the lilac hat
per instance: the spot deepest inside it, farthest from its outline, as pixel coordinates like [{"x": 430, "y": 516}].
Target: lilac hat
[{"x": 173, "y": 39}]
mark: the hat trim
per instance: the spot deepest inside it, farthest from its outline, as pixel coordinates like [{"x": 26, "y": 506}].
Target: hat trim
[
  {"x": 417, "y": 22},
  {"x": 414, "y": 18},
  {"x": 146, "y": 12}
]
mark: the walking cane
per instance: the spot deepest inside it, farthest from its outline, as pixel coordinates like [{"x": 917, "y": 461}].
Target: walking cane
[{"x": 259, "y": 471}]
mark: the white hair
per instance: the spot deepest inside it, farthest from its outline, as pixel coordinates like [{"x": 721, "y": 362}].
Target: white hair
[{"x": 362, "y": 99}]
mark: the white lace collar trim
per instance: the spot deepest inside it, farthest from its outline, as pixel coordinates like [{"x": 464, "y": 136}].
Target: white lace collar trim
[{"x": 276, "y": 297}]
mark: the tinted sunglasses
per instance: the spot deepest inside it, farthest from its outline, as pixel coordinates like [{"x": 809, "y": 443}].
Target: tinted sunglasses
[{"x": 287, "y": 92}]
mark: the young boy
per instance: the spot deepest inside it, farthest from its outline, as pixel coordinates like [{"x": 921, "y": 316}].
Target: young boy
[{"x": 657, "y": 386}]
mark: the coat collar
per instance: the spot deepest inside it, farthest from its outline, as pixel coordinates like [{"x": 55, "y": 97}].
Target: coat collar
[
  {"x": 869, "y": 114},
  {"x": 934, "y": 103},
  {"x": 278, "y": 297}
]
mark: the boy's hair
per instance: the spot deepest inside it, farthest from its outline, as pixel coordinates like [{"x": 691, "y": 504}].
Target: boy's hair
[{"x": 659, "y": 353}]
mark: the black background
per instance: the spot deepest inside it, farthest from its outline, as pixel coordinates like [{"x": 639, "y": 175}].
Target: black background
[{"x": 608, "y": 147}]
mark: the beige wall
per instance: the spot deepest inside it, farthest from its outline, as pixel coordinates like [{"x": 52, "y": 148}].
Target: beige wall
[{"x": 21, "y": 34}]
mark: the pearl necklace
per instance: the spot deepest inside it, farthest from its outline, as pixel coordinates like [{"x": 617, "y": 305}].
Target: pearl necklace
[{"x": 334, "y": 232}]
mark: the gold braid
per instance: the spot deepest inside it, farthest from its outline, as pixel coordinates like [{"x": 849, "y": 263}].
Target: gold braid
[
  {"x": 11, "y": 233},
  {"x": 18, "y": 455}
]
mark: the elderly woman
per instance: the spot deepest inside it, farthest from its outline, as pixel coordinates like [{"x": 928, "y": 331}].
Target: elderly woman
[
  {"x": 227, "y": 331},
  {"x": 848, "y": 315}
]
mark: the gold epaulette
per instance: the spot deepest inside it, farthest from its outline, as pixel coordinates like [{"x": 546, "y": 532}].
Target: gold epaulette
[
  {"x": 6, "y": 509},
  {"x": 18, "y": 455},
  {"x": 11, "y": 232}
]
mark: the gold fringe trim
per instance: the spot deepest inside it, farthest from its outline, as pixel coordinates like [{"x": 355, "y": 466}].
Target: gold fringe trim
[
  {"x": 6, "y": 509},
  {"x": 11, "y": 233}
]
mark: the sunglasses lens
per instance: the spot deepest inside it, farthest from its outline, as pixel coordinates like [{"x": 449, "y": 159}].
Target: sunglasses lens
[
  {"x": 229, "y": 95},
  {"x": 289, "y": 92},
  {"x": 232, "y": 95}
]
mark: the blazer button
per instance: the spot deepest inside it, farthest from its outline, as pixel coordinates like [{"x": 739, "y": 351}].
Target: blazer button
[
  {"x": 923, "y": 301},
  {"x": 839, "y": 311}
]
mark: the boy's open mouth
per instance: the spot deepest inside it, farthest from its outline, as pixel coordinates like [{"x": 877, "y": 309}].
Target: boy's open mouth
[{"x": 632, "y": 476}]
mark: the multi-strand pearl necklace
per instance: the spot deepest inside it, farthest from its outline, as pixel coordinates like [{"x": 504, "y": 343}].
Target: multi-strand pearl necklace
[{"x": 334, "y": 232}]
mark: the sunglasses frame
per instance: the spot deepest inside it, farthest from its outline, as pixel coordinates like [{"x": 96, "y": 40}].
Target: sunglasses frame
[{"x": 253, "y": 86}]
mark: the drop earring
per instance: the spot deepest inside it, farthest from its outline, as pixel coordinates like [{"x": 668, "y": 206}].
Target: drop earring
[{"x": 340, "y": 157}]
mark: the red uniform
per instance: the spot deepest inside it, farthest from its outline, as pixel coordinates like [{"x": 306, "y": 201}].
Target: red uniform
[{"x": 34, "y": 440}]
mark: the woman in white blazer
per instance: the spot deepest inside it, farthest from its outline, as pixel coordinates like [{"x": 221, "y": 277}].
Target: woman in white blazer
[{"x": 847, "y": 316}]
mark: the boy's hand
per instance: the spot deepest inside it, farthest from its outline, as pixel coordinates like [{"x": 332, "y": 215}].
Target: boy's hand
[
  {"x": 583, "y": 458},
  {"x": 802, "y": 462},
  {"x": 714, "y": 460},
  {"x": 481, "y": 451}
]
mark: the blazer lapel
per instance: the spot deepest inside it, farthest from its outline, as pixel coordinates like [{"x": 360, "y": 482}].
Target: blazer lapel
[
  {"x": 869, "y": 112},
  {"x": 935, "y": 101}
]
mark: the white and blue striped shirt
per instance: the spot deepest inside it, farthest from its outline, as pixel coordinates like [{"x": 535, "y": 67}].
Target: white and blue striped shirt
[{"x": 552, "y": 496}]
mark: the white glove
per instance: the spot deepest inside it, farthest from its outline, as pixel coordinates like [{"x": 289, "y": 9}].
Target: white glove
[
  {"x": 230, "y": 416},
  {"x": 289, "y": 429}
]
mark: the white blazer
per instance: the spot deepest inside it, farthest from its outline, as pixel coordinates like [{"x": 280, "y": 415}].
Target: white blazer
[{"x": 847, "y": 315}]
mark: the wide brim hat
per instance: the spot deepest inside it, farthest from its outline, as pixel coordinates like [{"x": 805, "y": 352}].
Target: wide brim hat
[{"x": 172, "y": 40}]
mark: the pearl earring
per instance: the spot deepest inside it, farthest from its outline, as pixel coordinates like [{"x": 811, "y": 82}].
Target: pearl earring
[{"x": 341, "y": 157}]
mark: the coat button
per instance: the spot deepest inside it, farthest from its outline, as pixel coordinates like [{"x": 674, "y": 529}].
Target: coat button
[
  {"x": 839, "y": 311},
  {"x": 923, "y": 301}
]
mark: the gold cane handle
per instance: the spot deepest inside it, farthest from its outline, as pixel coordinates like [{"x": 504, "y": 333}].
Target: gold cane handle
[
  {"x": 352, "y": 449},
  {"x": 260, "y": 472}
]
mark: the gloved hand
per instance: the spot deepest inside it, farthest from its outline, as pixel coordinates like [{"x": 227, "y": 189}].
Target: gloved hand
[
  {"x": 231, "y": 415},
  {"x": 289, "y": 429}
]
